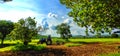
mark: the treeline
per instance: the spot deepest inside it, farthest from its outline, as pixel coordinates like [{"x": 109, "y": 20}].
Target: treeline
[
  {"x": 26, "y": 29},
  {"x": 23, "y": 30}
]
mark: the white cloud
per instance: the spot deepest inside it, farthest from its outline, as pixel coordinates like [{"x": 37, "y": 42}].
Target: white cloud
[
  {"x": 20, "y": 4},
  {"x": 52, "y": 15},
  {"x": 68, "y": 21},
  {"x": 52, "y": 27},
  {"x": 15, "y": 15},
  {"x": 63, "y": 17},
  {"x": 18, "y": 9}
]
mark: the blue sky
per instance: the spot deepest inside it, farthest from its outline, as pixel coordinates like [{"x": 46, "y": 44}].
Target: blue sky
[{"x": 48, "y": 14}]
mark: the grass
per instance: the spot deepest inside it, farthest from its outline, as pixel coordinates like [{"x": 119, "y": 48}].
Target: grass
[
  {"x": 80, "y": 40},
  {"x": 111, "y": 54},
  {"x": 17, "y": 46},
  {"x": 6, "y": 48},
  {"x": 72, "y": 44},
  {"x": 21, "y": 47},
  {"x": 96, "y": 40}
]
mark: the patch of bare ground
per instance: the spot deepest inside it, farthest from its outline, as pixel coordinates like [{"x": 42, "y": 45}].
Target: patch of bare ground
[{"x": 61, "y": 50}]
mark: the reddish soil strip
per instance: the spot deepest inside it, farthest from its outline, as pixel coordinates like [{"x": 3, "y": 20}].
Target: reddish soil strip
[{"x": 60, "y": 50}]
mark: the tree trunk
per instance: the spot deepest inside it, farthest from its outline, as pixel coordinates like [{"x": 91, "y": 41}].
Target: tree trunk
[
  {"x": 25, "y": 43},
  {"x": 2, "y": 42}
]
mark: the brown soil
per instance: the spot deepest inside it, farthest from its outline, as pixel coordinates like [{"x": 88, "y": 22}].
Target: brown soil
[{"x": 60, "y": 50}]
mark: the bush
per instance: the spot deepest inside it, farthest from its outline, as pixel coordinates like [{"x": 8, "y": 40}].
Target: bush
[
  {"x": 22, "y": 47},
  {"x": 114, "y": 35}
]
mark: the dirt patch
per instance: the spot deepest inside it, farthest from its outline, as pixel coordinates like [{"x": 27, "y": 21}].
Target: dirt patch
[
  {"x": 91, "y": 50},
  {"x": 60, "y": 50}
]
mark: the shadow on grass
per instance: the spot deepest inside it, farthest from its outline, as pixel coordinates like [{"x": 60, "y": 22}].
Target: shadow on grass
[
  {"x": 6, "y": 45},
  {"x": 44, "y": 52}
]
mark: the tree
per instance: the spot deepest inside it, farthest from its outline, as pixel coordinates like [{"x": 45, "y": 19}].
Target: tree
[
  {"x": 5, "y": 28},
  {"x": 64, "y": 30},
  {"x": 24, "y": 30},
  {"x": 1, "y": 36},
  {"x": 100, "y": 15}
]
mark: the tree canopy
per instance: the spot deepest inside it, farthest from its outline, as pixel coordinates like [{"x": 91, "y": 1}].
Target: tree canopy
[
  {"x": 100, "y": 15},
  {"x": 64, "y": 30},
  {"x": 24, "y": 30},
  {"x": 5, "y": 28}
]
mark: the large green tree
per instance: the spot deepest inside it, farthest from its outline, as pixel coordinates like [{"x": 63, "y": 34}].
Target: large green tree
[
  {"x": 64, "y": 30},
  {"x": 5, "y": 28},
  {"x": 24, "y": 30},
  {"x": 100, "y": 15}
]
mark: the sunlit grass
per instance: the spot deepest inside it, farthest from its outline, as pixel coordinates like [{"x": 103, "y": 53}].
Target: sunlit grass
[
  {"x": 6, "y": 48},
  {"x": 12, "y": 42},
  {"x": 72, "y": 44},
  {"x": 110, "y": 54},
  {"x": 96, "y": 40}
]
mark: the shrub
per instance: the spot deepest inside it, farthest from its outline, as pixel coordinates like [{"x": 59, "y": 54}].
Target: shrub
[
  {"x": 22, "y": 47},
  {"x": 114, "y": 35}
]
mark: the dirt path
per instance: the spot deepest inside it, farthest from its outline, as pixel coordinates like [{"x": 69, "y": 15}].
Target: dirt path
[{"x": 55, "y": 50}]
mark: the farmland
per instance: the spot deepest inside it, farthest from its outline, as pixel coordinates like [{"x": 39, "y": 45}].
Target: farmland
[{"x": 79, "y": 47}]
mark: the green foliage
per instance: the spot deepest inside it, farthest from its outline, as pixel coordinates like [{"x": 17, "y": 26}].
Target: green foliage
[
  {"x": 100, "y": 15},
  {"x": 114, "y": 35},
  {"x": 64, "y": 30},
  {"x": 98, "y": 35},
  {"x": 1, "y": 35},
  {"x": 21, "y": 47},
  {"x": 5, "y": 28},
  {"x": 24, "y": 30}
]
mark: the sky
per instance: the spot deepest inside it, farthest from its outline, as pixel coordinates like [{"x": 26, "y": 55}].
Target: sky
[{"x": 48, "y": 14}]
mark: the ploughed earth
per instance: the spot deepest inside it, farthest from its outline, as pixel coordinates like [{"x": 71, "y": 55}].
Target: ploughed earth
[{"x": 92, "y": 49}]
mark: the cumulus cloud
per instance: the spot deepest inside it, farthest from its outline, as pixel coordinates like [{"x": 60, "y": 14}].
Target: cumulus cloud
[
  {"x": 68, "y": 21},
  {"x": 44, "y": 23},
  {"x": 52, "y": 15},
  {"x": 62, "y": 17},
  {"x": 52, "y": 27},
  {"x": 15, "y": 15},
  {"x": 16, "y": 10}
]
